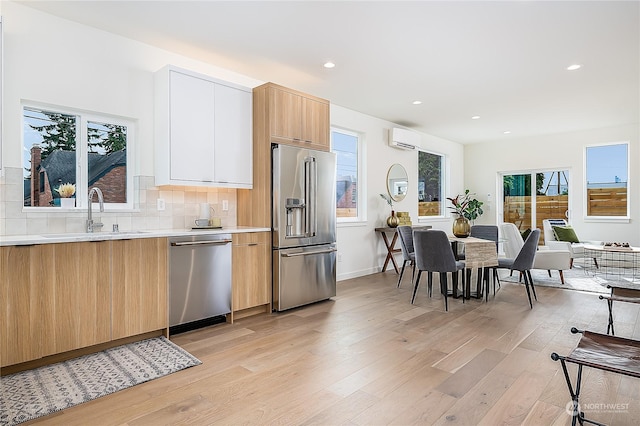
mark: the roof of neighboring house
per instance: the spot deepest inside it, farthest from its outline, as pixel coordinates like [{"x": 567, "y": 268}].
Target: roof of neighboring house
[
  {"x": 342, "y": 189},
  {"x": 61, "y": 166},
  {"x": 100, "y": 165}
]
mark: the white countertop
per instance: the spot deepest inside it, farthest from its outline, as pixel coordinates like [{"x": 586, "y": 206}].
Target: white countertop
[{"x": 22, "y": 240}]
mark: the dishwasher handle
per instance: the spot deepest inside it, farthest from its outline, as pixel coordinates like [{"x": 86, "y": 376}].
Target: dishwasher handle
[
  {"x": 200, "y": 243},
  {"x": 309, "y": 253}
]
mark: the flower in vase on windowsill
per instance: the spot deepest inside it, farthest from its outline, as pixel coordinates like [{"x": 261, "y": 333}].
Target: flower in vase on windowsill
[{"x": 66, "y": 191}]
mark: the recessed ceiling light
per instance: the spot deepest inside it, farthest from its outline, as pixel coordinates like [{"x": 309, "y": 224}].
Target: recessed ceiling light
[
  {"x": 506, "y": 132},
  {"x": 574, "y": 67},
  {"x": 475, "y": 117},
  {"x": 329, "y": 64},
  {"x": 417, "y": 102}
]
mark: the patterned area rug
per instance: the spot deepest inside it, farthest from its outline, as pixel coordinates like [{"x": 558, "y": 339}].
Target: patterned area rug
[
  {"x": 574, "y": 279},
  {"x": 34, "y": 393}
]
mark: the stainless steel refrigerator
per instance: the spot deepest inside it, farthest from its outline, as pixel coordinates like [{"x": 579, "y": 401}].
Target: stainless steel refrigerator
[{"x": 304, "y": 226}]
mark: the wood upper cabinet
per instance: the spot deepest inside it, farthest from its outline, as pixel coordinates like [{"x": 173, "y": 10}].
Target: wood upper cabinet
[
  {"x": 56, "y": 298},
  {"x": 203, "y": 131},
  {"x": 316, "y": 125},
  {"x": 286, "y": 116},
  {"x": 298, "y": 119},
  {"x": 140, "y": 289},
  {"x": 251, "y": 270}
]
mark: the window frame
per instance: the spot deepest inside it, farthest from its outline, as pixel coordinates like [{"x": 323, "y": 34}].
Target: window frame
[
  {"x": 585, "y": 197},
  {"x": 83, "y": 117},
  {"x": 361, "y": 216},
  {"x": 443, "y": 185}
]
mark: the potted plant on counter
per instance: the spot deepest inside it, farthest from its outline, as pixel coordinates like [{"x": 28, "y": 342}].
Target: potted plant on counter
[{"x": 468, "y": 208}]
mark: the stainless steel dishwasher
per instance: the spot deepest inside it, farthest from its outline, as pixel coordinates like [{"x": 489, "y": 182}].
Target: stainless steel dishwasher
[{"x": 199, "y": 281}]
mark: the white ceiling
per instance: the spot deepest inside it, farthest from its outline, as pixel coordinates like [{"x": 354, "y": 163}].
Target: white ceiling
[{"x": 503, "y": 60}]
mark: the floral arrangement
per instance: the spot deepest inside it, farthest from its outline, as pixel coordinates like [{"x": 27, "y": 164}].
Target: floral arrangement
[
  {"x": 466, "y": 205},
  {"x": 388, "y": 199},
  {"x": 66, "y": 190}
]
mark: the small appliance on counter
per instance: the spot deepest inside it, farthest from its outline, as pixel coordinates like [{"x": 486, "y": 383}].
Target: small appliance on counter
[
  {"x": 304, "y": 226},
  {"x": 206, "y": 220}
]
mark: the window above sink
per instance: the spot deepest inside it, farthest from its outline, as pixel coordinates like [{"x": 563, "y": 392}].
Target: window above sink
[{"x": 66, "y": 152}]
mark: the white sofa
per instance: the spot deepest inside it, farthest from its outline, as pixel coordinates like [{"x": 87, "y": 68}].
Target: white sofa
[{"x": 546, "y": 258}]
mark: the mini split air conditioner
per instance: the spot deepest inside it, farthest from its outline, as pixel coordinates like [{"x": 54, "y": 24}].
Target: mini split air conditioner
[{"x": 403, "y": 139}]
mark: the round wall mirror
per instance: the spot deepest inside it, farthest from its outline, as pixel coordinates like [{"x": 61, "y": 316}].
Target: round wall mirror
[{"x": 397, "y": 182}]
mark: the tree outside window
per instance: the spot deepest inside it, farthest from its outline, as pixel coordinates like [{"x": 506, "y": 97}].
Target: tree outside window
[{"x": 430, "y": 187}]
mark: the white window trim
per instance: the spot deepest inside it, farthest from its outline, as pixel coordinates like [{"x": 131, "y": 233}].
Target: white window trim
[
  {"x": 361, "y": 218},
  {"x": 499, "y": 201},
  {"x": 626, "y": 218},
  {"x": 83, "y": 117},
  {"x": 444, "y": 183}
]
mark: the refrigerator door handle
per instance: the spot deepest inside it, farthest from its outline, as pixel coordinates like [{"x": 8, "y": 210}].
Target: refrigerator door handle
[
  {"x": 311, "y": 181},
  {"x": 309, "y": 253}
]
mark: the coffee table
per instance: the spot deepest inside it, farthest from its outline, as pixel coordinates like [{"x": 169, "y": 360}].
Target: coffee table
[{"x": 614, "y": 263}]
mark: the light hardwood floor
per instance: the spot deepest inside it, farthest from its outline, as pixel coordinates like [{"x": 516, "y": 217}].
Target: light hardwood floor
[{"x": 369, "y": 357}]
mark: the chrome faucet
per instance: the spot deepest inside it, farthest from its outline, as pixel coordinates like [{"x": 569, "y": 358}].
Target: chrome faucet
[{"x": 90, "y": 225}]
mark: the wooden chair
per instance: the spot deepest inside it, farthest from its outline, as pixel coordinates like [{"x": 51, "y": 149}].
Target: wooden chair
[{"x": 601, "y": 351}]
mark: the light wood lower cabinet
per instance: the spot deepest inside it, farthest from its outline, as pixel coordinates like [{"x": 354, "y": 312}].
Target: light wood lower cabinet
[
  {"x": 26, "y": 292},
  {"x": 251, "y": 271},
  {"x": 82, "y": 295},
  {"x": 139, "y": 280},
  {"x": 56, "y": 298}
]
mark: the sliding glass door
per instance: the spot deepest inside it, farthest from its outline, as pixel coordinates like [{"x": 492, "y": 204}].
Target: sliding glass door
[
  {"x": 529, "y": 198},
  {"x": 517, "y": 200}
]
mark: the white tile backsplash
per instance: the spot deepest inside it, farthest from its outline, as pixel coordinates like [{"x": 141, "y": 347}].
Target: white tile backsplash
[{"x": 181, "y": 209}]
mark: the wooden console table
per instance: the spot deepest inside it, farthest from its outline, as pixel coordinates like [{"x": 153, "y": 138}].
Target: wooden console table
[{"x": 390, "y": 245}]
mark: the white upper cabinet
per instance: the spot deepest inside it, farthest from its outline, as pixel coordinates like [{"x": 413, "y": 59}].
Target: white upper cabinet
[{"x": 203, "y": 131}]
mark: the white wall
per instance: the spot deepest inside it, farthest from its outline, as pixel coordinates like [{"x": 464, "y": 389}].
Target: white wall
[
  {"x": 58, "y": 62},
  {"x": 360, "y": 248},
  {"x": 484, "y": 161}
]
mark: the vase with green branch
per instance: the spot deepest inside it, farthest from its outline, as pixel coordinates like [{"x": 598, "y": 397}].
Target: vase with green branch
[{"x": 392, "y": 221}]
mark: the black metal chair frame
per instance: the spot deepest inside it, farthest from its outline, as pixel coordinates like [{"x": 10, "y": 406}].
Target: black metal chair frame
[
  {"x": 578, "y": 416},
  {"x": 619, "y": 294}
]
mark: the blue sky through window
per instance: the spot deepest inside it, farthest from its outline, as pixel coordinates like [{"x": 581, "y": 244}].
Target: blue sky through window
[{"x": 607, "y": 164}]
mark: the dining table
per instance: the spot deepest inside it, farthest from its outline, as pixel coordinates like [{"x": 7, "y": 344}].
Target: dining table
[{"x": 480, "y": 255}]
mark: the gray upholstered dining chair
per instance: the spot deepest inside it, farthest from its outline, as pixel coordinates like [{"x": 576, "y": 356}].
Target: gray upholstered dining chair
[
  {"x": 523, "y": 262},
  {"x": 433, "y": 254},
  {"x": 405, "y": 234}
]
